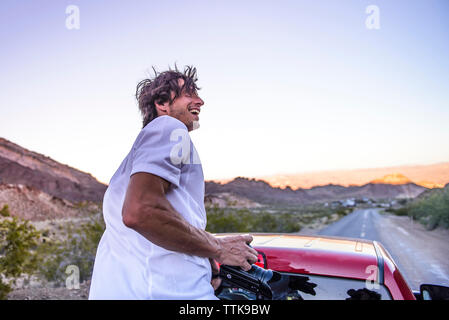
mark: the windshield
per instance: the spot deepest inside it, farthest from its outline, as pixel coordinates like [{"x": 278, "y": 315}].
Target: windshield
[{"x": 327, "y": 288}]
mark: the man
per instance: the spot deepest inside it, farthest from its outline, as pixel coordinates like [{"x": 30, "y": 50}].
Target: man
[{"x": 155, "y": 245}]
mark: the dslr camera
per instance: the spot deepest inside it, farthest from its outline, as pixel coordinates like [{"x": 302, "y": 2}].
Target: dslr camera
[{"x": 261, "y": 284}]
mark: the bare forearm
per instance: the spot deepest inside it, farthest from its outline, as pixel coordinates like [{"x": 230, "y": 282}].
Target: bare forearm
[
  {"x": 166, "y": 228},
  {"x": 147, "y": 211}
]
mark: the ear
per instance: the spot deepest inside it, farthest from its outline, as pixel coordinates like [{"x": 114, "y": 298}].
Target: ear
[{"x": 162, "y": 108}]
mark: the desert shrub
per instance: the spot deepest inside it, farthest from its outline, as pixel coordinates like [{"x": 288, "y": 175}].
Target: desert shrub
[
  {"x": 243, "y": 220},
  {"x": 77, "y": 248},
  {"x": 342, "y": 211},
  {"x": 432, "y": 210},
  {"x": 18, "y": 241},
  {"x": 403, "y": 211},
  {"x": 4, "y": 212}
]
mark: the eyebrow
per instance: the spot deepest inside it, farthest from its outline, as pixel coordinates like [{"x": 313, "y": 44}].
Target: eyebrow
[{"x": 190, "y": 91}]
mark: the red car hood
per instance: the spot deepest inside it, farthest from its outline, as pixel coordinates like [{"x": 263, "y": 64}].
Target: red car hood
[{"x": 331, "y": 256}]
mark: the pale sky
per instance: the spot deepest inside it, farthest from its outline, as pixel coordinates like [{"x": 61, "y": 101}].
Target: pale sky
[{"x": 289, "y": 86}]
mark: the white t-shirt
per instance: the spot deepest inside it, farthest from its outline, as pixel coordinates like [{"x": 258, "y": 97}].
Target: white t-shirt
[{"x": 127, "y": 265}]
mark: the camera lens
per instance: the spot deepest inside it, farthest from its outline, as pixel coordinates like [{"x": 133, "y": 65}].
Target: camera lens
[{"x": 261, "y": 274}]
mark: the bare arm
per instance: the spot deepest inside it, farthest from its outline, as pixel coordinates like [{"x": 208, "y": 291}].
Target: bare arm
[{"x": 147, "y": 211}]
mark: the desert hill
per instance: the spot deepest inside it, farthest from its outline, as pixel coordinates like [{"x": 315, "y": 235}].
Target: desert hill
[
  {"x": 262, "y": 192},
  {"x": 21, "y": 166},
  {"x": 428, "y": 176},
  {"x": 36, "y": 187}
]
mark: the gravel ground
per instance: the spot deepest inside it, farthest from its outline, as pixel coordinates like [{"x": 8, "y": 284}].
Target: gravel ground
[
  {"x": 422, "y": 255},
  {"x": 48, "y": 293}
]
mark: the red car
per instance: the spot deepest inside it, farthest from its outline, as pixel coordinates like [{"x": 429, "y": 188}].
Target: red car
[{"x": 327, "y": 268}]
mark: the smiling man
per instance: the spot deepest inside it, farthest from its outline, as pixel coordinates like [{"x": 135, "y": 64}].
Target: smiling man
[{"x": 155, "y": 245}]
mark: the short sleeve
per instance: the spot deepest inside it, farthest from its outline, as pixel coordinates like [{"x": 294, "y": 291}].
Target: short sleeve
[{"x": 161, "y": 149}]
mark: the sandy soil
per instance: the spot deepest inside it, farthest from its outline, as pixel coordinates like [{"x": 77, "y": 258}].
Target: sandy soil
[
  {"x": 422, "y": 255},
  {"x": 48, "y": 293}
]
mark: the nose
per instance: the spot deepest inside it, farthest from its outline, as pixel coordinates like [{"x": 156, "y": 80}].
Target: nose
[{"x": 198, "y": 101}]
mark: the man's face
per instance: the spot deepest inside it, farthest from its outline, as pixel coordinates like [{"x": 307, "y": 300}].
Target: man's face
[{"x": 186, "y": 108}]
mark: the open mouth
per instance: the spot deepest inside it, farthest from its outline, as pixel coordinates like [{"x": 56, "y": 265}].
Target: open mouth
[{"x": 195, "y": 111}]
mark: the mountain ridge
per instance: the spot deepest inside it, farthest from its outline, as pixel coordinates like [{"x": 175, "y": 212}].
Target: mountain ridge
[
  {"x": 32, "y": 181},
  {"x": 262, "y": 192},
  {"x": 434, "y": 175},
  {"x": 21, "y": 166}
]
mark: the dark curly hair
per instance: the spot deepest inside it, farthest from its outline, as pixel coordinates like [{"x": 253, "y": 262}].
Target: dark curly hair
[{"x": 159, "y": 90}]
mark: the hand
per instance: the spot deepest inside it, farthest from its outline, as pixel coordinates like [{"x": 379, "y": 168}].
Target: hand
[
  {"x": 216, "y": 280},
  {"x": 235, "y": 251}
]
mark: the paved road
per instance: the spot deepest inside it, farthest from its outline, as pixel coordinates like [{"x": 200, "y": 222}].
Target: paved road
[
  {"x": 358, "y": 224},
  {"x": 421, "y": 255}
]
